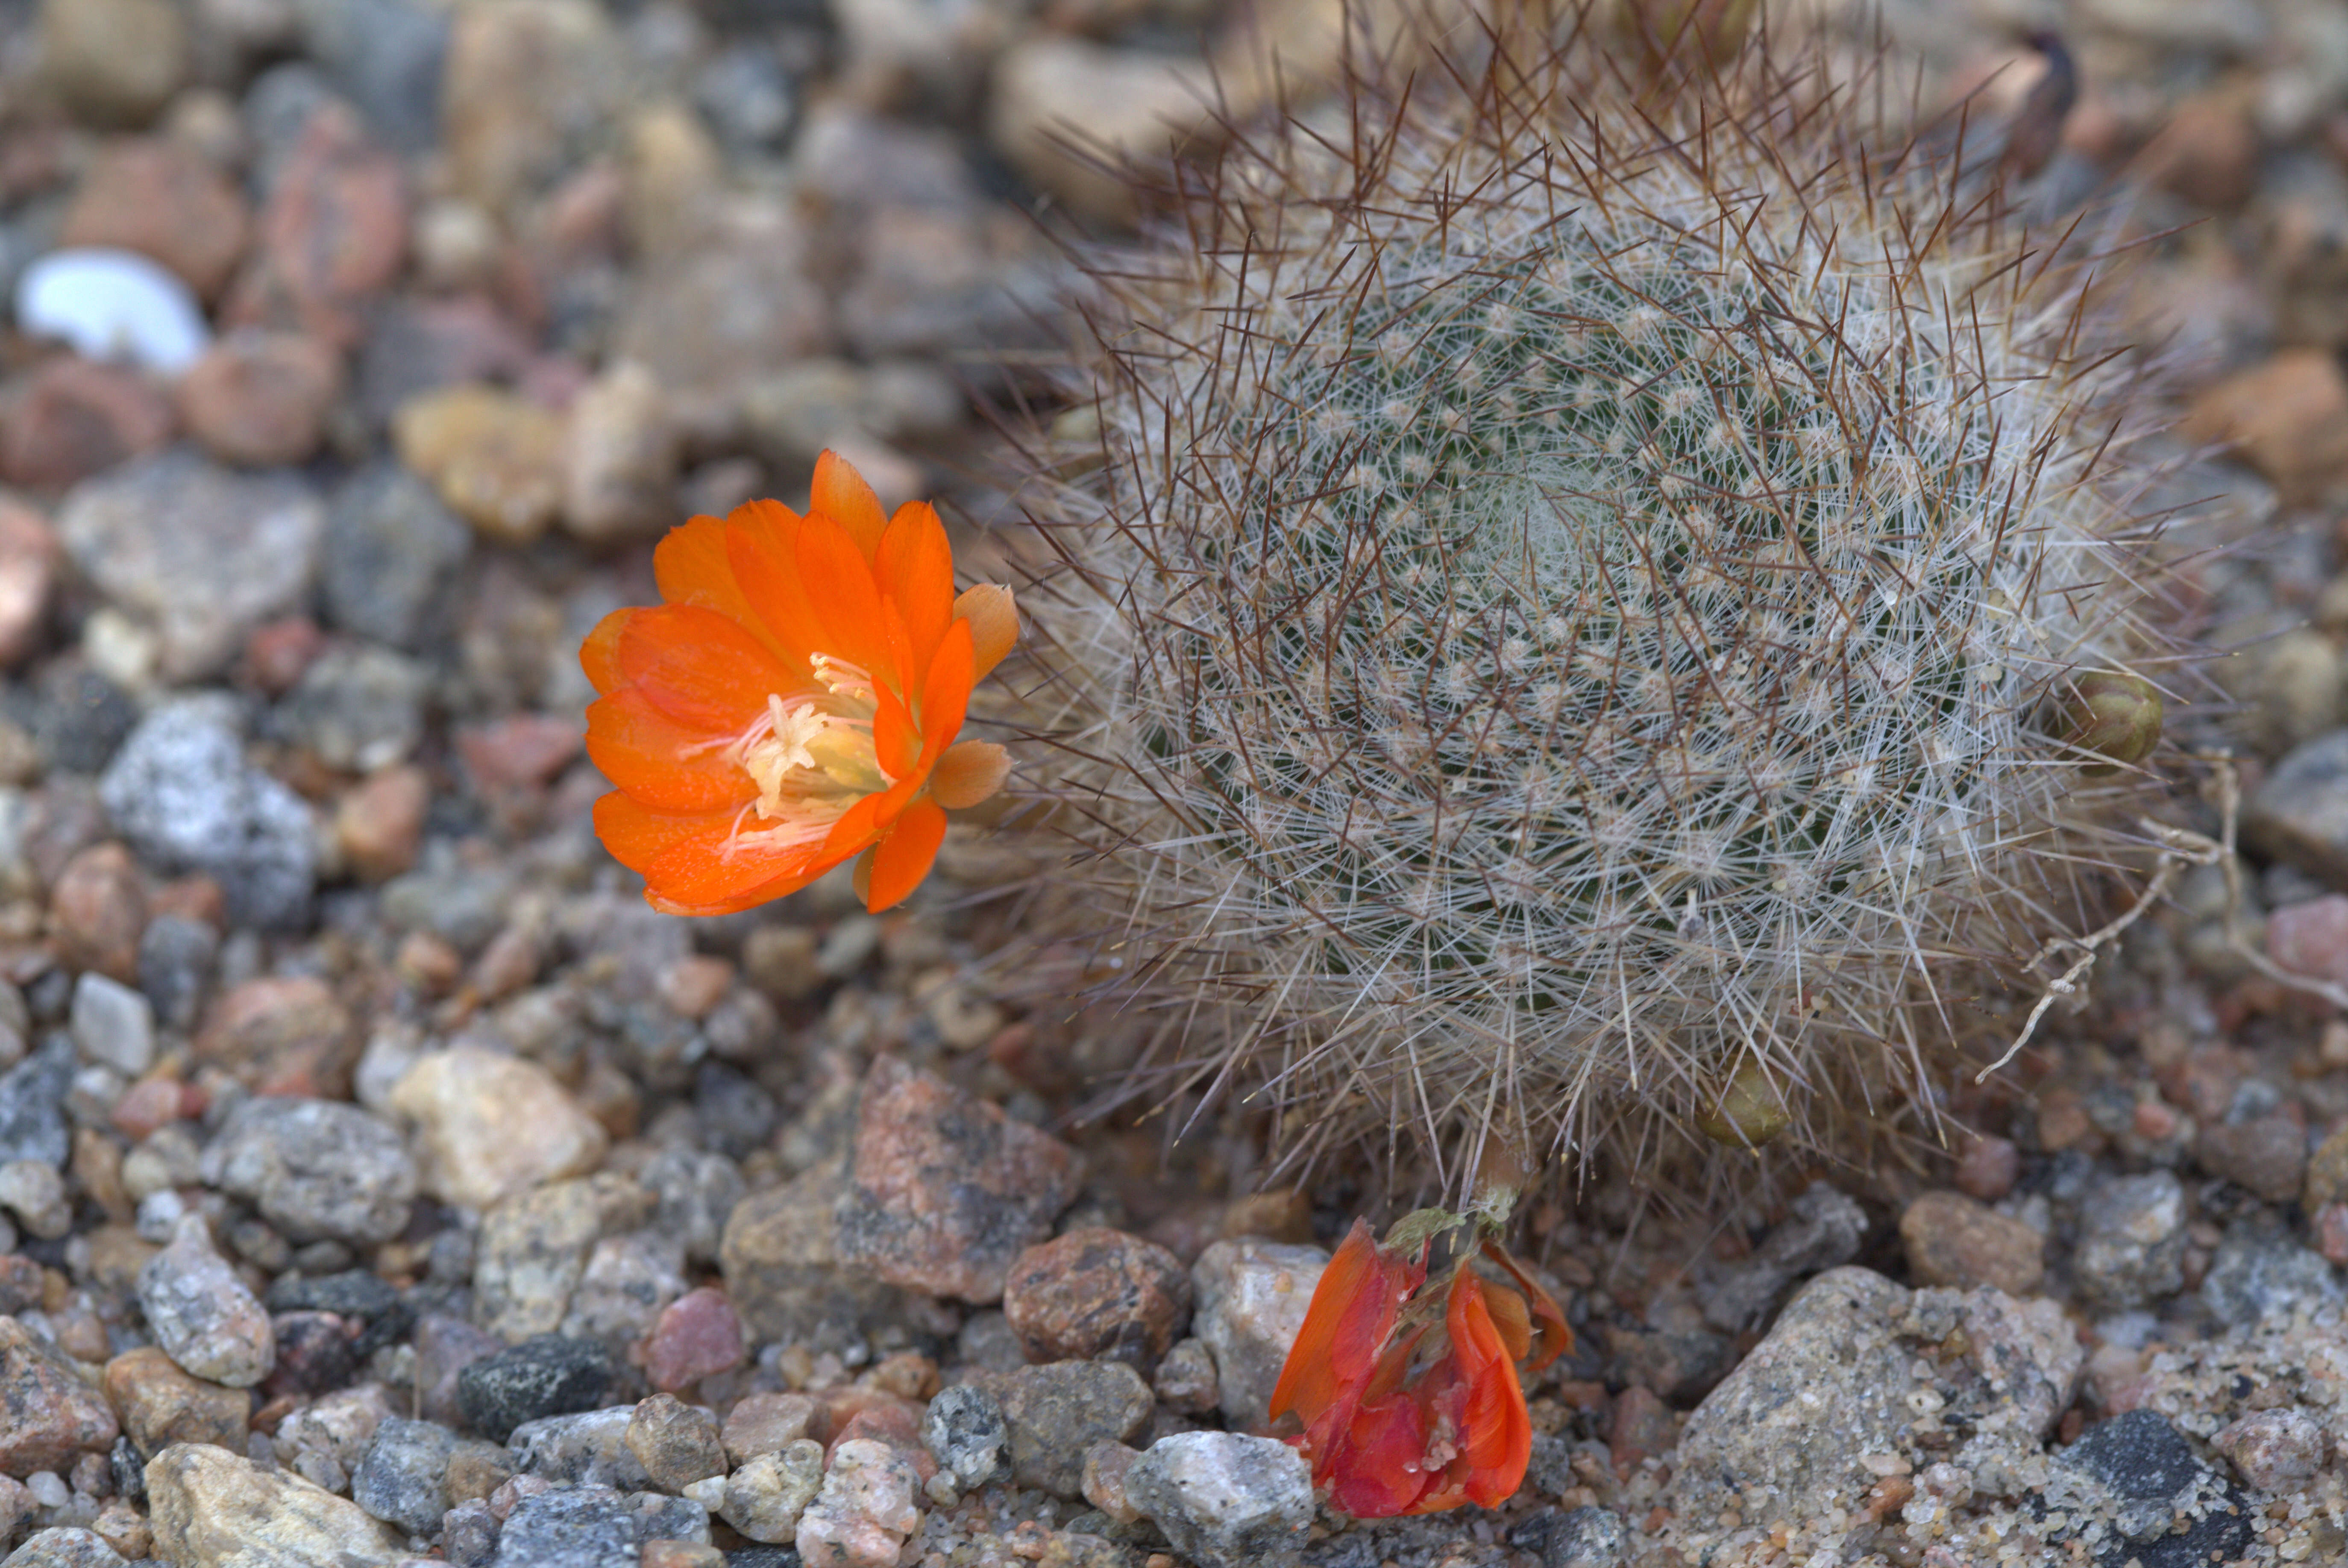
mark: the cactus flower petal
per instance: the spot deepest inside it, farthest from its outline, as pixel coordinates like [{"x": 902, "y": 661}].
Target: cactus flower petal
[
  {"x": 787, "y": 707},
  {"x": 1388, "y": 1435}
]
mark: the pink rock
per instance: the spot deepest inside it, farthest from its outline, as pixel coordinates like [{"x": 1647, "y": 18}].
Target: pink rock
[
  {"x": 1097, "y": 1293},
  {"x": 522, "y": 750},
  {"x": 767, "y": 1423},
  {"x": 1988, "y": 1168},
  {"x": 946, "y": 1191},
  {"x": 2331, "y": 1233},
  {"x": 28, "y": 573},
  {"x": 282, "y": 1035},
  {"x": 73, "y": 418},
  {"x": 146, "y": 1106},
  {"x": 2312, "y": 938},
  {"x": 333, "y": 235},
  {"x": 166, "y": 200},
  {"x": 895, "y": 1423},
  {"x": 694, "y": 984},
  {"x": 379, "y": 821},
  {"x": 865, "y": 1510},
  {"x": 696, "y": 1335},
  {"x": 278, "y": 652},
  {"x": 262, "y": 397}
]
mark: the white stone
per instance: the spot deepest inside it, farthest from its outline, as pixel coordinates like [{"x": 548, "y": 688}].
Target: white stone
[
  {"x": 112, "y": 305},
  {"x": 1225, "y": 1499},
  {"x": 113, "y": 1025},
  {"x": 1252, "y": 1299}
]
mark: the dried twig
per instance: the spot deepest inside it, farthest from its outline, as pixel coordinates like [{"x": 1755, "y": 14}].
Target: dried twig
[{"x": 2180, "y": 847}]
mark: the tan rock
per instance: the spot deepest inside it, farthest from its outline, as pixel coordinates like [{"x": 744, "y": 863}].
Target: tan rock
[
  {"x": 1954, "y": 1241},
  {"x": 2208, "y": 153},
  {"x": 1053, "y": 95},
  {"x": 620, "y": 463},
  {"x": 490, "y": 1127},
  {"x": 379, "y": 821},
  {"x": 497, "y": 459},
  {"x": 114, "y": 62},
  {"x": 672, "y": 173},
  {"x": 2288, "y": 418},
  {"x": 212, "y": 1507},
  {"x": 162, "y": 1404}
]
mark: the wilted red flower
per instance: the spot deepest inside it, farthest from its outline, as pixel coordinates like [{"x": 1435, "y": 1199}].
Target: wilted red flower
[
  {"x": 793, "y": 701},
  {"x": 1403, "y": 1415}
]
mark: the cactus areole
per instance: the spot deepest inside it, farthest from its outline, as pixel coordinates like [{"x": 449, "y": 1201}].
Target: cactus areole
[{"x": 1594, "y": 615}]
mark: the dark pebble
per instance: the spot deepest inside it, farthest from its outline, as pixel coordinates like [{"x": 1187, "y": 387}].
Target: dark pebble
[
  {"x": 360, "y": 1296},
  {"x": 547, "y": 1375}
]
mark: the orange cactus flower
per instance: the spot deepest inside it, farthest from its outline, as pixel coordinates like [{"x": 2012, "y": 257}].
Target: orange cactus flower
[
  {"x": 1392, "y": 1430},
  {"x": 794, "y": 702}
]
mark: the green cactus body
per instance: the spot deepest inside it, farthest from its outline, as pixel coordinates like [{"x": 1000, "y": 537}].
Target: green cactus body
[{"x": 1570, "y": 600}]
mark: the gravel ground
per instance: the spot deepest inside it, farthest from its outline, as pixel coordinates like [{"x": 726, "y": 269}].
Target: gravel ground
[{"x": 379, "y": 1178}]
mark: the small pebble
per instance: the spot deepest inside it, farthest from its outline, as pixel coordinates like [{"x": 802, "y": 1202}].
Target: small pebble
[
  {"x": 201, "y": 1313},
  {"x": 2275, "y": 1451},
  {"x": 766, "y": 1498},
  {"x": 676, "y": 1443}
]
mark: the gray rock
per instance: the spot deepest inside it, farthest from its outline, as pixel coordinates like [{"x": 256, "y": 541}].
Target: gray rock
[
  {"x": 578, "y": 1527},
  {"x": 747, "y": 97},
  {"x": 32, "y": 1105},
  {"x": 469, "y": 1535},
  {"x": 79, "y": 716},
  {"x": 277, "y": 109},
  {"x": 392, "y": 551},
  {"x": 2131, "y": 1248},
  {"x": 177, "y": 958},
  {"x": 692, "y": 1194},
  {"x": 182, "y": 793},
  {"x": 627, "y": 1281},
  {"x": 201, "y": 1313},
  {"x": 357, "y": 709},
  {"x": 462, "y": 905},
  {"x": 1251, "y": 1298},
  {"x": 543, "y": 1376},
  {"x": 403, "y": 1479},
  {"x": 1824, "y": 1229},
  {"x": 1053, "y": 1413},
  {"x": 2298, "y": 813},
  {"x": 203, "y": 552},
  {"x": 2258, "y": 1276},
  {"x": 1840, "y": 1380},
  {"x": 65, "y": 1548},
  {"x": 1225, "y": 1499},
  {"x": 589, "y": 1447},
  {"x": 113, "y": 1025},
  {"x": 663, "y": 1518},
  {"x": 317, "y": 1169},
  {"x": 1589, "y": 1537},
  {"x": 386, "y": 56},
  {"x": 964, "y": 1432}
]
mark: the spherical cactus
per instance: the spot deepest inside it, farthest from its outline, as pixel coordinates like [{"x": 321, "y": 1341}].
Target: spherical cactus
[{"x": 1592, "y": 610}]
